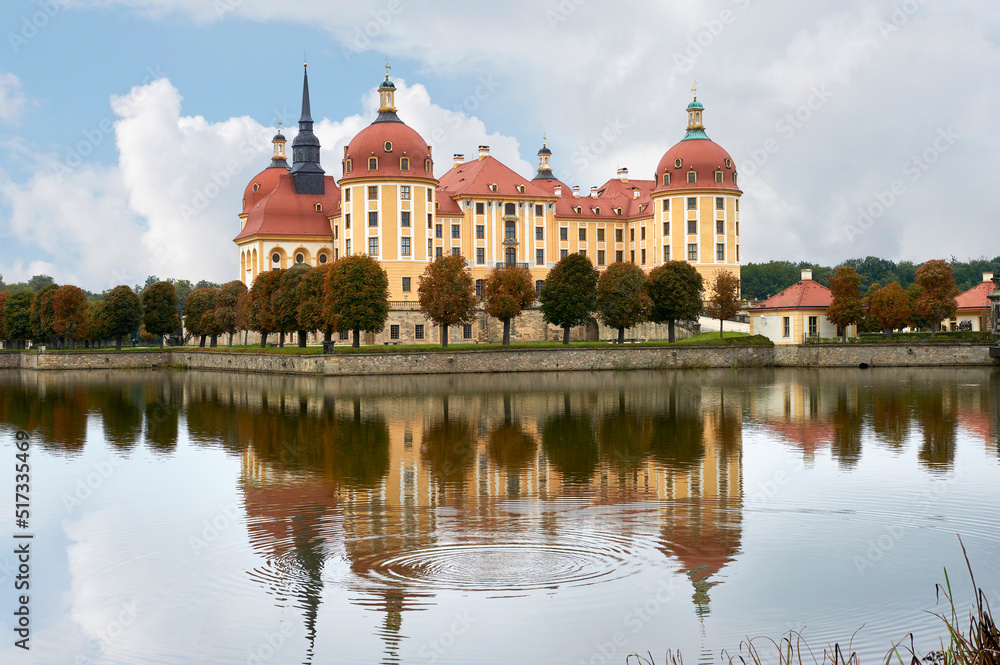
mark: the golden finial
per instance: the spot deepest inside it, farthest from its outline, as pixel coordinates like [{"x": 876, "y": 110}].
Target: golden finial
[
  {"x": 305, "y": 60},
  {"x": 543, "y": 140},
  {"x": 387, "y": 67},
  {"x": 694, "y": 90}
]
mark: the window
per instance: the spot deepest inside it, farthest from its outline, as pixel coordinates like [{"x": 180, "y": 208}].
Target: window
[
  {"x": 692, "y": 227},
  {"x": 372, "y": 218},
  {"x": 479, "y": 208},
  {"x": 404, "y": 218},
  {"x": 276, "y": 257},
  {"x": 720, "y": 252},
  {"x": 600, "y": 235},
  {"x": 430, "y": 248},
  {"x": 438, "y": 252},
  {"x": 347, "y": 248},
  {"x": 666, "y": 179},
  {"x": 539, "y": 285},
  {"x": 405, "y": 250},
  {"x": 813, "y": 331},
  {"x": 319, "y": 207},
  {"x": 373, "y": 163},
  {"x": 539, "y": 257},
  {"x": 347, "y": 166},
  {"x": 404, "y": 192},
  {"x": 539, "y": 233},
  {"x": 467, "y": 331},
  {"x": 388, "y": 146},
  {"x": 786, "y": 327},
  {"x": 678, "y": 163},
  {"x": 493, "y": 187},
  {"x": 322, "y": 258},
  {"x": 720, "y": 226},
  {"x": 539, "y": 210},
  {"x": 430, "y": 194},
  {"x": 347, "y": 221},
  {"x": 456, "y": 231},
  {"x": 394, "y": 331},
  {"x": 344, "y": 334},
  {"x": 256, "y": 187},
  {"x": 480, "y": 288},
  {"x": 418, "y": 331},
  {"x": 509, "y": 209},
  {"x": 666, "y": 253},
  {"x": 737, "y": 228},
  {"x": 564, "y": 234},
  {"x": 600, "y": 257},
  {"x": 737, "y": 253},
  {"x": 631, "y": 234},
  {"x": 372, "y": 192},
  {"x": 666, "y": 228},
  {"x": 729, "y": 163},
  {"x": 347, "y": 193},
  {"x": 642, "y": 233},
  {"x": 718, "y": 177},
  {"x": 563, "y": 253},
  {"x": 404, "y": 163},
  {"x": 692, "y": 203},
  {"x": 582, "y": 234},
  {"x": 455, "y": 251},
  {"x": 720, "y": 203},
  {"x": 510, "y": 256},
  {"x": 582, "y": 252},
  {"x": 618, "y": 235},
  {"x": 734, "y": 179},
  {"x": 438, "y": 233},
  {"x": 509, "y": 230},
  {"x": 692, "y": 252},
  {"x": 631, "y": 256},
  {"x": 692, "y": 177},
  {"x": 406, "y": 285},
  {"x": 642, "y": 260},
  {"x": 427, "y": 166},
  {"x": 737, "y": 205},
  {"x": 480, "y": 231},
  {"x": 373, "y": 246},
  {"x": 300, "y": 258},
  {"x": 430, "y": 219},
  {"x": 480, "y": 255},
  {"x": 618, "y": 256}
]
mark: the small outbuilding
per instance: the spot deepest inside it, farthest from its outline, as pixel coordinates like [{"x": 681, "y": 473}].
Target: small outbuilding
[{"x": 795, "y": 314}]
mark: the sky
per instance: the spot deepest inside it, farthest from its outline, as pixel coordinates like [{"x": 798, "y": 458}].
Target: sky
[{"x": 129, "y": 128}]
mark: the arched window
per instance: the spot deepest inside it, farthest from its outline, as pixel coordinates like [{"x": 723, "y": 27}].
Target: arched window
[
  {"x": 666, "y": 179},
  {"x": 347, "y": 166},
  {"x": 373, "y": 163},
  {"x": 322, "y": 258},
  {"x": 275, "y": 258},
  {"x": 300, "y": 258},
  {"x": 539, "y": 285},
  {"x": 510, "y": 256},
  {"x": 427, "y": 166},
  {"x": 404, "y": 163},
  {"x": 509, "y": 209},
  {"x": 480, "y": 288},
  {"x": 692, "y": 177}
]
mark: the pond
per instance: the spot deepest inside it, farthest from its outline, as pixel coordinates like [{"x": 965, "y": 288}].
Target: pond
[{"x": 198, "y": 517}]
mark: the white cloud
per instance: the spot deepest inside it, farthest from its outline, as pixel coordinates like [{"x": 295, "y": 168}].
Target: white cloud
[{"x": 12, "y": 99}]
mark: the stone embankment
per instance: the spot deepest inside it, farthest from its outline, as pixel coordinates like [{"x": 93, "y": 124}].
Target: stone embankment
[{"x": 521, "y": 360}]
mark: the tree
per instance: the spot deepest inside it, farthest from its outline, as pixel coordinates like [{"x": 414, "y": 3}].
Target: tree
[
  {"x": 508, "y": 292},
  {"x": 356, "y": 296},
  {"x": 285, "y": 302},
  {"x": 622, "y": 298},
  {"x": 17, "y": 318},
  {"x": 159, "y": 309},
  {"x": 243, "y": 317},
  {"x": 70, "y": 312},
  {"x": 675, "y": 289},
  {"x": 724, "y": 301},
  {"x": 43, "y": 313},
  {"x": 95, "y": 323},
  {"x": 200, "y": 302},
  {"x": 570, "y": 293},
  {"x": 261, "y": 313},
  {"x": 4, "y": 296},
  {"x": 889, "y": 308},
  {"x": 310, "y": 301},
  {"x": 447, "y": 293},
  {"x": 227, "y": 308},
  {"x": 846, "y": 306},
  {"x": 183, "y": 288},
  {"x": 936, "y": 301},
  {"x": 39, "y": 282},
  {"x": 121, "y": 313}
]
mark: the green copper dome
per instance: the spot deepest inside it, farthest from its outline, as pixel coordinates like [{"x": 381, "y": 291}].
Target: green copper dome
[{"x": 695, "y": 105}]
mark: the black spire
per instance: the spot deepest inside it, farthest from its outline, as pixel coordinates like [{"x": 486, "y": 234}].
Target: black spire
[{"x": 306, "y": 170}]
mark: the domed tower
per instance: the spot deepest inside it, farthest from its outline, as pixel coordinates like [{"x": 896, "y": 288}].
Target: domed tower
[
  {"x": 697, "y": 202},
  {"x": 544, "y": 164},
  {"x": 388, "y": 197}
]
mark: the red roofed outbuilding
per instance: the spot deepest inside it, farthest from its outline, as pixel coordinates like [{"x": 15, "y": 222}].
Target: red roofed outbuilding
[{"x": 796, "y": 313}]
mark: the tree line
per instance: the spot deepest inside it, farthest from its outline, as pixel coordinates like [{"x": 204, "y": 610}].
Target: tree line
[{"x": 351, "y": 294}]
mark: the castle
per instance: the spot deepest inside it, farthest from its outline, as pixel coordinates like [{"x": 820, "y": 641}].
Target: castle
[{"x": 388, "y": 203}]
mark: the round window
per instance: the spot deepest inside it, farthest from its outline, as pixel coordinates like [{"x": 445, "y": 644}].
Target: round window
[
  {"x": 322, "y": 258},
  {"x": 388, "y": 146},
  {"x": 677, "y": 163},
  {"x": 276, "y": 257},
  {"x": 729, "y": 163},
  {"x": 256, "y": 187},
  {"x": 299, "y": 258}
]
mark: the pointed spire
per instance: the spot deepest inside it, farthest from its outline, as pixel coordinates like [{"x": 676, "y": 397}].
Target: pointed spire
[
  {"x": 306, "y": 115},
  {"x": 306, "y": 167}
]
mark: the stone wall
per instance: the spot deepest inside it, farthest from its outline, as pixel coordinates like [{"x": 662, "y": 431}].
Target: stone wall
[
  {"x": 110, "y": 360},
  {"x": 881, "y": 355}
]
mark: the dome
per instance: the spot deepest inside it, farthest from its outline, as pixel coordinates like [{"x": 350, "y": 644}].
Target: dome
[
  {"x": 260, "y": 186},
  {"x": 703, "y": 156},
  {"x": 389, "y": 143},
  {"x": 695, "y": 104}
]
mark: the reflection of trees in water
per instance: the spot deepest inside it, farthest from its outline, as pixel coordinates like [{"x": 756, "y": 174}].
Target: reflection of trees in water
[
  {"x": 847, "y": 421},
  {"x": 509, "y": 446},
  {"x": 936, "y": 414},
  {"x": 162, "y": 404},
  {"x": 678, "y": 432},
  {"x": 570, "y": 444},
  {"x": 890, "y": 414},
  {"x": 624, "y": 438},
  {"x": 994, "y": 391},
  {"x": 121, "y": 414},
  {"x": 58, "y": 412},
  {"x": 449, "y": 448}
]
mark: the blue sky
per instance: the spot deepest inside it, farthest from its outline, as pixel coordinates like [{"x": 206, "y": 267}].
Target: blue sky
[{"x": 859, "y": 127}]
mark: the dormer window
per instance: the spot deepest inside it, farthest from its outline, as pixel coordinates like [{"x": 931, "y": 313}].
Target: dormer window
[
  {"x": 427, "y": 166},
  {"x": 677, "y": 163},
  {"x": 388, "y": 146},
  {"x": 734, "y": 182},
  {"x": 373, "y": 163},
  {"x": 597, "y": 210},
  {"x": 347, "y": 166},
  {"x": 319, "y": 207},
  {"x": 718, "y": 177},
  {"x": 520, "y": 188},
  {"x": 666, "y": 179},
  {"x": 618, "y": 211},
  {"x": 404, "y": 163},
  {"x": 579, "y": 209},
  {"x": 493, "y": 187},
  {"x": 692, "y": 177}
]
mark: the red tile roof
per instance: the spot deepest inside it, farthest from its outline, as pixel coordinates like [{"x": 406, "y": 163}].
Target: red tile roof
[
  {"x": 371, "y": 142},
  {"x": 701, "y": 155},
  {"x": 475, "y": 177},
  {"x": 975, "y": 298},
  {"x": 805, "y": 294},
  {"x": 280, "y": 211}
]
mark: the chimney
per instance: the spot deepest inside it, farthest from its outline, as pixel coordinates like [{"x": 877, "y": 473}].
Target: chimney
[
  {"x": 807, "y": 275},
  {"x": 557, "y": 190},
  {"x": 593, "y": 192},
  {"x": 576, "y": 190},
  {"x": 987, "y": 277},
  {"x": 459, "y": 160},
  {"x": 484, "y": 151},
  {"x": 623, "y": 174}
]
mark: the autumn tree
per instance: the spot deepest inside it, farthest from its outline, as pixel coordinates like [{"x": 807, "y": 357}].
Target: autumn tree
[
  {"x": 70, "y": 312},
  {"x": 936, "y": 301},
  {"x": 17, "y": 318},
  {"x": 356, "y": 296},
  {"x": 310, "y": 301},
  {"x": 285, "y": 303},
  {"x": 200, "y": 302},
  {"x": 96, "y": 332},
  {"x": 724, "y": 301},
  {"x": 261, "y": 310},
  {"x": 159, "y": 309},
  {"x": 243, "y": 317},
  {"x": 845, "y": 310},
  {"x": 570, "y": 293},
  {"x": 227, "y": 308},
  {"x": 622, "y": 298},
  {"x": 121, "y": 313},
  {"x": 43, "y": 313},
  {"x": 889, "y": 308},
  {"x": 508, "y": 292},
  {"x": 675, "y": 290},
  {"x": 447, "y": 293}
]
